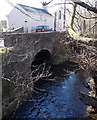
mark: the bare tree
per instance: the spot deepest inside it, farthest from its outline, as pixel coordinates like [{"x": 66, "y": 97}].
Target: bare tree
[{"x": 90, "y": 8}]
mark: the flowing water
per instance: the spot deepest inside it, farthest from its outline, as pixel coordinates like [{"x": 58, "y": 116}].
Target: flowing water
[{"x": 56, "y": 99}]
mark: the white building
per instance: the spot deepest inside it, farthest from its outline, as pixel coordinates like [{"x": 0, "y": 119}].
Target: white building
[
  {"x": 63, "y": 14},
  {"x": 59, "y": 20},
  {"x": 28, "y": 17}
]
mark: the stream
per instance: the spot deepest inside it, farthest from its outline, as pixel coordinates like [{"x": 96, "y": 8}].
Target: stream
[{"x": 56, "y": 99}]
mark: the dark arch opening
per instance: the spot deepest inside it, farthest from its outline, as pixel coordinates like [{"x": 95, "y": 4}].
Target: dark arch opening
[{"x": 41, "y": 57}]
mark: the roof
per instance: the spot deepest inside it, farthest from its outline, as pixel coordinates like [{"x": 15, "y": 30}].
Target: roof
[{"x": 33, "y": 9}]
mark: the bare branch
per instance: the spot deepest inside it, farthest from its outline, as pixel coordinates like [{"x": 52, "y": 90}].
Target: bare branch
[{"x": 93, "y": 9}]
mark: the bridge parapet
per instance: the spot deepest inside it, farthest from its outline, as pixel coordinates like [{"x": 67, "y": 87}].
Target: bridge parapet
[{"x": 31, "y": 42}]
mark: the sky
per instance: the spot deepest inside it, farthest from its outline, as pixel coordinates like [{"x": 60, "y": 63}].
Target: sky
[{"x": 5, "y": 8}]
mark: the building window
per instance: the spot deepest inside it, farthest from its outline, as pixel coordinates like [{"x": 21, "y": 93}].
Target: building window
[{"x": 60, "y": 14}]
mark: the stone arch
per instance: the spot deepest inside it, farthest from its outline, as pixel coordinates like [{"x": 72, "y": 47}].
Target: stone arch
[{"x": 41, "y": 57}]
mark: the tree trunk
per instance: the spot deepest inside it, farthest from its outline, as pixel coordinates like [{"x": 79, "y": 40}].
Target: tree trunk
[{"x": 73, "y": 15}]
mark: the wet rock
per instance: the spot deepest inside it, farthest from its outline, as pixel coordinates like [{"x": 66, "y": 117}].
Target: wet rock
[{"x": 88, "y": 100}]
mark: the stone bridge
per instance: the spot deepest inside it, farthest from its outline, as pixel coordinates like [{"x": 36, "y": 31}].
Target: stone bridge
[
  {"x": 32, "y": 44},
  {"x": 17, "y": 60}
]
